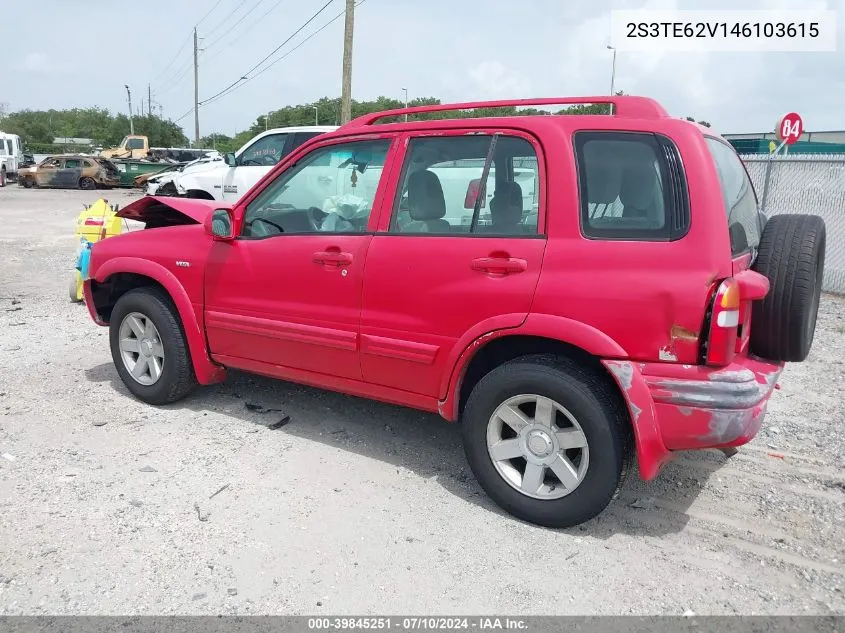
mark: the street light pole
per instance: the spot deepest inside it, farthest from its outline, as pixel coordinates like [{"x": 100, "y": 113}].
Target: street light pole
[
  {"x": 316, "y": 113},
  {"x": 406, "y": 103},
  {"x": 129, "y": 98}
]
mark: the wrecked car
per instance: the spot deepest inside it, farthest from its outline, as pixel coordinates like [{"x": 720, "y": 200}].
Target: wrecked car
[
  {"x": 640, "y": 306},
  {"x": 71, "y": 171}
]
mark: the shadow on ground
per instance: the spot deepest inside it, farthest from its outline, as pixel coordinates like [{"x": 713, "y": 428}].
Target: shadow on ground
[{"x": 427, "y": 445}]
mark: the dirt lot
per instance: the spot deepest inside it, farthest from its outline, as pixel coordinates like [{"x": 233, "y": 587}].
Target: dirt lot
[{"x": 107, "y": 505}]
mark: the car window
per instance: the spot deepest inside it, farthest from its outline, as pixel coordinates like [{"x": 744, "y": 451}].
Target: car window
[
  {"x": 441, "y": 182},
  {"x": 265, "y": 152},
  {"x": 135, "y": 143},
  {"x": 739, "y": 197},
  {"x": 622, "y": 187},
  {"x": 88, "y": 163},
  {"x": 73, "y": 163},
  {"x": 50, "y": 162},
  {"x": 331, "y": 189},
  {"x": 5, "y": 147}
]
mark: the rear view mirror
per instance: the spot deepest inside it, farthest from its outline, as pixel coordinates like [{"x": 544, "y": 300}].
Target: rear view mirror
[
  {"x": 473, "y": 191},
  {"x": 230, "y": 159},
  {"x": 219, "y": 225}
]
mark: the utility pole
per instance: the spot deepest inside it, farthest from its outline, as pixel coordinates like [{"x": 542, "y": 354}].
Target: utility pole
[
  {"x": 196, "y": 92},
  {"x": 346, "y": 89},
  {"x": 149, "y": 101},
  {"x": 129, "y": 98}
]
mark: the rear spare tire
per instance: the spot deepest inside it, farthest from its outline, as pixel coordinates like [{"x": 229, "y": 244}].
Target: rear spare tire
[{"x": 791, "y": 256}]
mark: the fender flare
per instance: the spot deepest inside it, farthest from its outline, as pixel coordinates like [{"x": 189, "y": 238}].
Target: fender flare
[
  {"x": 652, "y": 454},
  {"x": 207, "y": 372},
  {"x": 558, "y": 328}
]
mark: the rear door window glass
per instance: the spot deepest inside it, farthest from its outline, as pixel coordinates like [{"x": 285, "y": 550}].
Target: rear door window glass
[{"x": 739, "y": 197}]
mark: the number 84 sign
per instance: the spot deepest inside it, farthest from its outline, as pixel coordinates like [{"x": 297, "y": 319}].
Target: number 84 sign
[{"x": 790, "y": 127}]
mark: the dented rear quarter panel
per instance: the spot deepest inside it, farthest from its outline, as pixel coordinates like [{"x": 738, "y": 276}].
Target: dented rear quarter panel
[{"x": 649, "y": 297}]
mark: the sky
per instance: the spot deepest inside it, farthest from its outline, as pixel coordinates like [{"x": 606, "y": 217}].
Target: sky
[{"x": 456, "y": 50}]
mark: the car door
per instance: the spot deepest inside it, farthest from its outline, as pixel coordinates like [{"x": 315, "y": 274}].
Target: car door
[
  {"x": 253, "y": 163},
  {"x": 70, "y": 172},
  {"x": 47, "y": 172},
  {"x": 286, "y": 294},
  {"x": 436, "y": 280}
]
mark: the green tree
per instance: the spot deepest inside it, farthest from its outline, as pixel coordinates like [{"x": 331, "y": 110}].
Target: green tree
[{"x": 704, "y": 123}]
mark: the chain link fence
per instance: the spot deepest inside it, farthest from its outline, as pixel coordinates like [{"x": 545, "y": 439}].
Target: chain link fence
[{"x": 806, "y": 183}]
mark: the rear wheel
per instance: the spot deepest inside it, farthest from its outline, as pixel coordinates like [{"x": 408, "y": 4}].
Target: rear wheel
[
  {"x": 87, "y": 183},
  {"x": 27, "y": 182},
  {"x": 548, "y": 441},
  {"x": 3, "y": 177},
  {"x": 791, "y": 256},
  {"x": 148, "y": 347}
]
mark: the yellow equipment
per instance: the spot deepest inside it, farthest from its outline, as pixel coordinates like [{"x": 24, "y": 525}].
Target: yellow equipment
[{"x": 96, "y": 222}]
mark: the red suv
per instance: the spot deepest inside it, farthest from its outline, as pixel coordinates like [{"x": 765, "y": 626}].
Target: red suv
[{"x": 577, "y": 290}]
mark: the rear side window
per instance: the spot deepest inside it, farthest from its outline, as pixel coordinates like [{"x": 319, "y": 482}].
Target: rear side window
[
  {"x": 632, "y": 186},
  {"x": 738, "y": 194}
]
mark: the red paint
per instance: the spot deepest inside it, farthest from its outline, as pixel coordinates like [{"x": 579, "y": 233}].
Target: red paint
[
  {"x": 398, "y": 318},
  {"x": 790, "y": 128}
]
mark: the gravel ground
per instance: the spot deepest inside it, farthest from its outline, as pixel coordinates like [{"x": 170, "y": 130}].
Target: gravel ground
[{"x": 108, "y": 506}]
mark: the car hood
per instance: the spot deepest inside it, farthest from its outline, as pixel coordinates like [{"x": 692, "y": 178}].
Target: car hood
[{"x": 163, "y": 207}]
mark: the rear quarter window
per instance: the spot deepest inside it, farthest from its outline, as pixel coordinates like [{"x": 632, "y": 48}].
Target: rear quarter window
[
  {"x": 631, "y": 186},
  {"x": 739, "y": 197}
]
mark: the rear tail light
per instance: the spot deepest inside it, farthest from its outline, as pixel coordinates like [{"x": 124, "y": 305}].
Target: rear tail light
[{"x": 724, "y": 322}]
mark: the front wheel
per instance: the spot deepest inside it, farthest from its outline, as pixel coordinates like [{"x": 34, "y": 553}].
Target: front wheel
[
  {"x": 87, "y": 183},
  {"x": 148, "y": 347},
  {"x": 549, "y": 442}
]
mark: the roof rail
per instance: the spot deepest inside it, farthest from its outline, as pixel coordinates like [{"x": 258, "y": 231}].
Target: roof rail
[{"x": 627, "y": 106}]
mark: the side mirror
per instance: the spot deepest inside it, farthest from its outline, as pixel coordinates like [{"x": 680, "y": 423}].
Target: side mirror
[
  {"x": 219, "y": 225},
  {"x": 229, "y": 157},
  {"x": 473, "y": 190}
]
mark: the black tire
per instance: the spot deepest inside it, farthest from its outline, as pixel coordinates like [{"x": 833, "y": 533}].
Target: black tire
[
  {"x": 177, "y": 378},
  {"x": 791, "y": 255},
  {"x": 27, "y": 182},
  {"x": 3, "y": 177},
  {"x": 594, "y": 403},
  {"x": 87, "y": 183}
]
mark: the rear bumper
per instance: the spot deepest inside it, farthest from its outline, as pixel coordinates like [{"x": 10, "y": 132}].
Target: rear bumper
[{"x": 687, "y": 407}]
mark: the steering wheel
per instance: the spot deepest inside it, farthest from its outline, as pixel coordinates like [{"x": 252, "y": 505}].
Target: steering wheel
[
  {"x": 262, "y": 232},
  {"x": 315, "y": 217}
]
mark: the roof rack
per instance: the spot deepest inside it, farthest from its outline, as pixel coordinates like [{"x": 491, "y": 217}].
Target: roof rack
[{"x": 627, "y": 106}]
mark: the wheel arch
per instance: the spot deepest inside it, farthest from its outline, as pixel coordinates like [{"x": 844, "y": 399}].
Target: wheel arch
[
  {"x": 118, "y": 276},
  {"x": 577, "y": 341}
]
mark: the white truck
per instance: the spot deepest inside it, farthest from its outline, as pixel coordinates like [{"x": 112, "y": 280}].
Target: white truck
[
  {"x": 11, "y": 157},
  {"x": 231, "y": 178}
]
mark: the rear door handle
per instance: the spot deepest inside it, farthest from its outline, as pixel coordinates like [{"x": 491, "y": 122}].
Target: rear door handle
[
  {"x": 499, "y": 265},
  {"x": 332, "y": 258}
]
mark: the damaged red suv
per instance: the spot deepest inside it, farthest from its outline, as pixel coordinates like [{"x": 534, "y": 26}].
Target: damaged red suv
[{"x": 577, "y": 290}]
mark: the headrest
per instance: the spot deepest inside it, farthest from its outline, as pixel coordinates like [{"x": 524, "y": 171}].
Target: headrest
[
  {"x": 603, "y": 181},
  {"x": 638, "y": 185},
  {"x": 425, "y": 196},
  {"x": 506, "y": 204}
]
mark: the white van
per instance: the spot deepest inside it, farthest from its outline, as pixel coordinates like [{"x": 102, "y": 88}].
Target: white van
[
  {"x": 11, "y": 157},
  {"x": 230, "y": 179}
]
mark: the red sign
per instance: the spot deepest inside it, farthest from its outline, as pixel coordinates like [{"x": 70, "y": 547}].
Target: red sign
[{"x": 790, "y": 127}]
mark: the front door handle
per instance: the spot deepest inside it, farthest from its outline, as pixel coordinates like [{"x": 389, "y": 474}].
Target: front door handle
[
  {"x": 332, "y": 258},
  {"x": 499, "y": 265}
]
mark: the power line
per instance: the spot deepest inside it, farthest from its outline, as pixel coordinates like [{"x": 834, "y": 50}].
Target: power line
[
  {"x": 175, "y": 57},
  {"x": 246, "y": 74},
  {"x": 246, "y": 30},
  {"x": 208, "y": 14},
  {"x": 244, "y": 80},
  {"x": 238, "y": 83},
  {"x": 238, "y": 6},
  {"x": 229, "y": 30}
]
